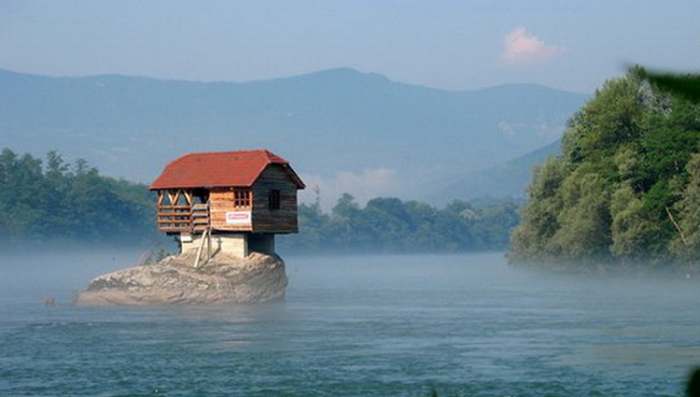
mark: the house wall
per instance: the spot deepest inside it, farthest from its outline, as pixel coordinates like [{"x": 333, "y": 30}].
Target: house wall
[
  {"x": 283, "y": 220},
  {"x": 221, "y": 202}
]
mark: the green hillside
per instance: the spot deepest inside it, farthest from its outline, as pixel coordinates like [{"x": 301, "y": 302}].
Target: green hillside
[{"x": 626, "y": 188}]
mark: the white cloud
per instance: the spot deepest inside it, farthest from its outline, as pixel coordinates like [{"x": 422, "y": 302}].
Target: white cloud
[
  {"x": 521, "y": 46},
  {"x": 363, "y": 185}
]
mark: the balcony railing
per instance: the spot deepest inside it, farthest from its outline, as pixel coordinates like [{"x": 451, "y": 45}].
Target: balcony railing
[{"x": 183, "y": 218}]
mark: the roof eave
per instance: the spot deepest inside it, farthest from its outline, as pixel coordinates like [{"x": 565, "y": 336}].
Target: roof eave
[{"x": 170, "y": 187}]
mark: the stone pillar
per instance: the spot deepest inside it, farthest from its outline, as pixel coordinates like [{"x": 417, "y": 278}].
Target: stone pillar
[
  {"x": 233, "y": 244},
  {"x": 263, "y": 243}
]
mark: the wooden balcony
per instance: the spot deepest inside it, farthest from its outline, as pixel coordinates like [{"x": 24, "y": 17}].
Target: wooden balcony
[
  {"x": 199, "y": 218},
  {"x": 183, "y": 218}
]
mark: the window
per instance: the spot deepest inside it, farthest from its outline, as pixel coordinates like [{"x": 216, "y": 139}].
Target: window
[
  {"x": 241, "y": 198},
  {"x": 274, "y": 199}
]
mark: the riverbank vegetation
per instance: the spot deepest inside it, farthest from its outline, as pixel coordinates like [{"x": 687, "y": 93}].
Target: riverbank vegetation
[
  {"x": 49, "y": 199},
  {"x": 54, "y": 200},
  {"x": 626, "y": 188},
  {"x": 392, "y": 225}
]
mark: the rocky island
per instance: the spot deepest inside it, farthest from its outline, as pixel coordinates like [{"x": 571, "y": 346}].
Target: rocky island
[
  {"x": 224, "y": 210},
  {"x": 174, "y": 280}
]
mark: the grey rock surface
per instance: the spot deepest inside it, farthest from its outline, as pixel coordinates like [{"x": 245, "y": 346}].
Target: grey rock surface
[{"x": 174, "y": 280}]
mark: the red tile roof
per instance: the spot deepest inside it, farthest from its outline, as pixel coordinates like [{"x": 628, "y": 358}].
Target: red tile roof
[{"x": 220, "y": 169}]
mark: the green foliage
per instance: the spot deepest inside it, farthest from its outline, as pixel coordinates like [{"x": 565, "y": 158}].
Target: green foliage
[
  {"x": 541, "y": 213},
  {"x": 392, "y": 225},
  {"x": 584, "y": 220},
  {"x": 633, "y": 233},
  {"x": 688, "y": 209},
  {"x": 69, "y": 201},
  {"x": 625, "y": 164},
  {"x": 612, "y": 118}
]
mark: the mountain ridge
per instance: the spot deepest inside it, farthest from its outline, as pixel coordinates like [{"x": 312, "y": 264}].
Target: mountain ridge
[
  {"x": 326, "y": 123},
  {"x": 320, "y": 72},
  {"x": 506, "y": 180}
]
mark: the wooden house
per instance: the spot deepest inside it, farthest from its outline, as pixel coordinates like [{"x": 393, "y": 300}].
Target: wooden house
[{"x": 237, "y": 201}]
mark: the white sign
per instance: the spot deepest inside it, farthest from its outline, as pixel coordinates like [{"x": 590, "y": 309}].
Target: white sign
[{"x": 238, "y": 218}]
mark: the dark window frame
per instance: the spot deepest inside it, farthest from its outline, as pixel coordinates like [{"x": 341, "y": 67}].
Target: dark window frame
[{"x": 274, "y": 199}]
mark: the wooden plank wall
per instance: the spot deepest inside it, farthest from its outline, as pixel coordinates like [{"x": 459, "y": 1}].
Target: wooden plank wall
[
  {"x": 221, "y": 202},
  {"x": 283, "y": 220}
]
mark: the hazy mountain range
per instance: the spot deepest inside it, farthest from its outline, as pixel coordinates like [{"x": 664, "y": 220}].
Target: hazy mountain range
[
  {"x": 342, "y": 129},
  {"x": 509, "y": 179}
]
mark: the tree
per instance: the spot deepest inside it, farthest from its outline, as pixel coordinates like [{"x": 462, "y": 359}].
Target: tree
[
  {"x": 625, "y": 164},
  {"x": 539, "y": 218},
  {"x": 388, "y": 224},
  {"x": 57, "y": 201},
  {"x": 632, "y": 231},
  {"x": 686, "y": 242}
]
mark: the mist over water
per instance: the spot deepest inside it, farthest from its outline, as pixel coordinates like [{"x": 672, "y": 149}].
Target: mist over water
[
  {"x": 362, "y": 325},
  {"x": 30, "y": 276}
]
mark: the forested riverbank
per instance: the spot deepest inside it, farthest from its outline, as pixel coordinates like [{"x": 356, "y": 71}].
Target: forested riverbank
[
  {"x": 391, "y": 225},
  {"x": 49, "y": 200},
  {"x": 626, "y": 188}
]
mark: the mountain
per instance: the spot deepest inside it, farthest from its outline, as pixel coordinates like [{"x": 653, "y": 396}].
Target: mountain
[
  {"x": 329, "y": 124},
  {"x": 509, "y": 179}
]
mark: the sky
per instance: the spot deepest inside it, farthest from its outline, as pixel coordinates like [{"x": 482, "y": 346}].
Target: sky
[{"x": 572, "y": 45}]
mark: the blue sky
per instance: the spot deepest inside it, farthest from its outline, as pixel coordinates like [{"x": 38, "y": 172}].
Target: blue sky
[{"x": 573, "y": 45}]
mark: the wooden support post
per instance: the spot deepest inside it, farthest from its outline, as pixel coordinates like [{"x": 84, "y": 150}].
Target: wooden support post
[
  {"x": 188, "y": 196},
  {"x": 171, "y": 197},
  {"x": 208, "y": 244},
  {"x": 201, "y": 246},
  {"x": 209, "y": 230}
]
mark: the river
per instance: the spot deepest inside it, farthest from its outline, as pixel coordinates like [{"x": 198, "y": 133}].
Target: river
[{"x": 464, "y": 325}]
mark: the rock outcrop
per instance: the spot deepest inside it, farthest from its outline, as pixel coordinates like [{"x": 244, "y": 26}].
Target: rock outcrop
[{"x": 174, "y": 280}]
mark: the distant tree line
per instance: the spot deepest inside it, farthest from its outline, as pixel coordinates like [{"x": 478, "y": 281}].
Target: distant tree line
[
  {"x": 393, "y": 225},
  {"x": 626, "y": 188},
  {"x": 50, "y": 199}
]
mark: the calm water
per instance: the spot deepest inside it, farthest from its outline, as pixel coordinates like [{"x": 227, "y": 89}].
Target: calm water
[{"x": 353, "y": 326}]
